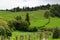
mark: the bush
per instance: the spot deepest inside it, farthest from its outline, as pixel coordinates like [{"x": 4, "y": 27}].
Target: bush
[
  {"x": 9, "y": 33},
  {"x": 11, "y": 24},
  {"x": 56, "y": 33},
  {"x": 18, "y": 25},
  {"x": 21, "y": 25},
  {"x": 52, "y": 15},
  {"x": 4, "y": 28},
  {"x": 33, "y": 29},
  {"x": 46, "y": 15},
  {"x": 48, "y": 29},
  {"x": 18, "y": 18}
]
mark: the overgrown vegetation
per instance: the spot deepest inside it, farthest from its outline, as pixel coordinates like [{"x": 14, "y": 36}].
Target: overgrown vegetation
[
  {"x": 56, "y": 33},
  {"x": 4, "y": 28}
]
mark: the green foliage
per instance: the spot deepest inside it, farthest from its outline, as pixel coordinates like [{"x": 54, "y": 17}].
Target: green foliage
[
  {"x": 19, "y": 24},
  {"x": 11, "y": 24},
  {"x": 36, "y": 18},
  {"x": 56, "y": 33},
  {"x": 8, "y": 33},
  {"x": 4, "y": 28},
  {"x": 52, "y": 15},
  {"x": 18, "y": 18},
  {"x": 47, "y": 29},
  {"x": 46, "y": 15},
  {"x": 34, "y": 29},
  {"x": 27, "y": 18},
  {"x": 55, "y": 10}
]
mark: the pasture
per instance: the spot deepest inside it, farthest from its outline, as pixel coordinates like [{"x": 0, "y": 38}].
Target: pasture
[{"x": 37, "y": 19}]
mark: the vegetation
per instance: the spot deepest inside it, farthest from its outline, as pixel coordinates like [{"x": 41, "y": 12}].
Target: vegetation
[
  {"x": 46, "y": 15},
  {"x": 35, "y": 19},
  {"x": 4, "y": 29},
  {"x": 42, "y": 7},
  {"x": 27, "y": 18},
  {"x": 55, "y": 10},
  {"x": 56, "y": 33}
]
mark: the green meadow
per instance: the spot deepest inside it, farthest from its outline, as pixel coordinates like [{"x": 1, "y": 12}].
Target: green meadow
[{"x": 37, "y": 19}]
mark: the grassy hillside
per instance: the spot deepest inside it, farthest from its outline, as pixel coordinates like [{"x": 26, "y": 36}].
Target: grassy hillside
[
  {"x": 36, "y": 18},
  {"x": 33, "y": 14}
]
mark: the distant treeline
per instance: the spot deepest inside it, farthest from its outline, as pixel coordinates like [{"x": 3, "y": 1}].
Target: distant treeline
[{"x": 41, "y": 7}]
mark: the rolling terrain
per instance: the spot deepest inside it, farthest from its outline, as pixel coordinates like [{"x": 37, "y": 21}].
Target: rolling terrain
[{"x": 36, "y": 18}]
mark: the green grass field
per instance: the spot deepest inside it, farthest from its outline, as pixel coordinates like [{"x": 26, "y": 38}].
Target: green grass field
[{"x": 36, "y": 18}]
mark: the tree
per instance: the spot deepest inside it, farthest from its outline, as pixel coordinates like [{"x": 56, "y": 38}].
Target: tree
[
  {"x": 27, "y": 18},
  {"x": 48, "y": 6},
  {"x": 13, "y": 10},
  {"x": 7, "y": 10},
  {"x": 17, "y": 9},
  {"x": 46, "y": 15},
  {"x": 55, "y": 10},
  {"x": 27, "y": 8}
]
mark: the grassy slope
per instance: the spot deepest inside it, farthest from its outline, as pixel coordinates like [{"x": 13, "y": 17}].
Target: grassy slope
[{"x": 36, "y": 18}]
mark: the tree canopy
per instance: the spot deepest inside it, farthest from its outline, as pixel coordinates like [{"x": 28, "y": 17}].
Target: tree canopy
[{"x": 55, "y": 10}]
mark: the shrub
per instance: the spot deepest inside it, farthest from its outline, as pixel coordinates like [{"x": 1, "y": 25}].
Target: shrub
[
  {"x": 4, "y": 28},
  {"x": 9, "y": 33},
  {"x": 30, "y": 29},
  {"x": 11, "y": 24},
  {"x": 34, "y": 29},
  {"x": 46, "y": 15},
  {"x": 18, "y": 25},
  {"x": 18, "y": 18},
  {"x": 52, "y": 15},
  {"x": 48, "y": 29},
  {"x": 56, "y": 33},
  {"x": 21, "y": 25}
]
